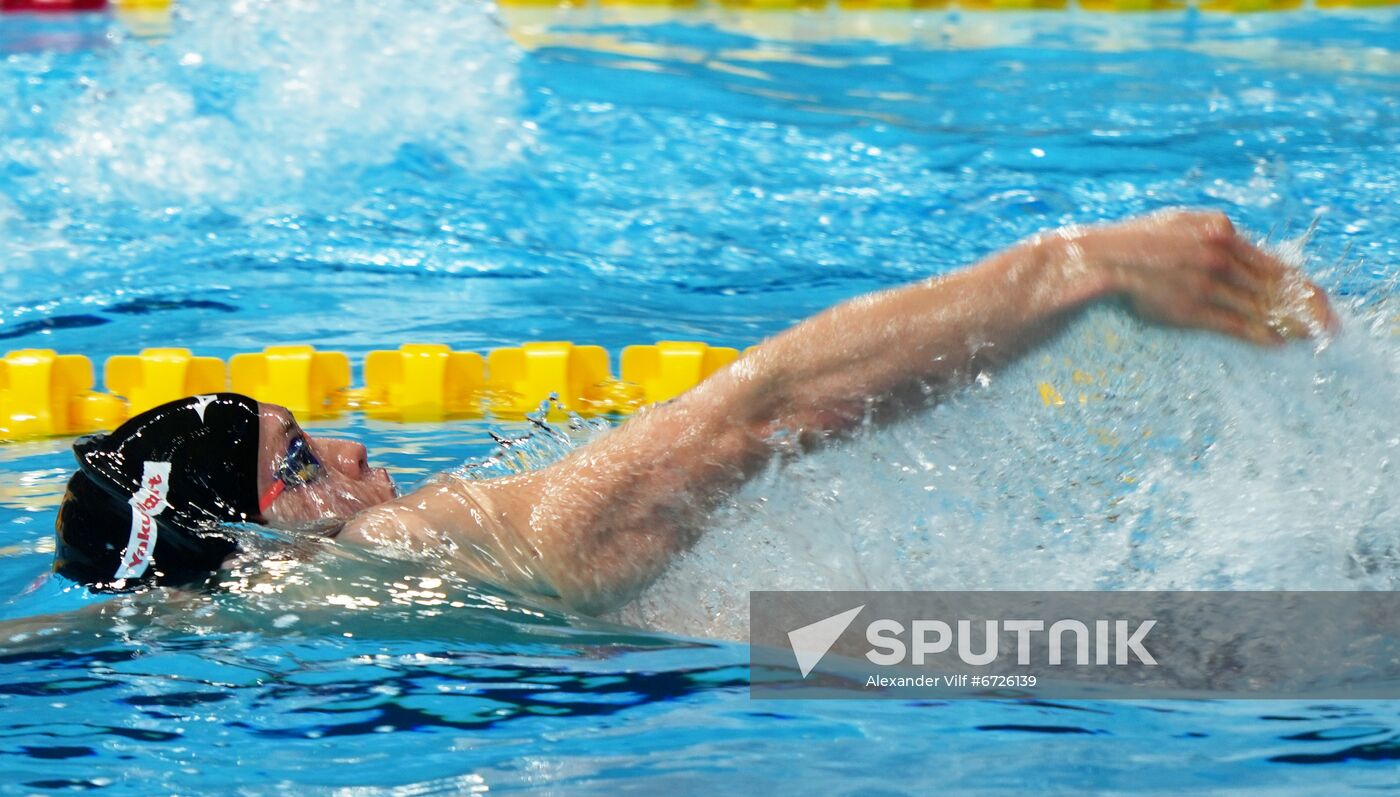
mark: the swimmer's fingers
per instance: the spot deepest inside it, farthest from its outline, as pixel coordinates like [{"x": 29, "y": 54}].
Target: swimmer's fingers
[
  {"x": 1303, "y": 310},
  {"x": 1298, "y": 305},
  {"x": 1236, "y": 325},
  {"x": 1246, "y": 302},
  {"x": 1225, "y": 266},
  {"x": 1323, "y": 310},
  {"x": 1258, "y": 263}
]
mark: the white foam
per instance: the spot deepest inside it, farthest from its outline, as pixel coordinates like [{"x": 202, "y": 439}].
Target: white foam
[
  {"x": 1193, "y": 462},
  {"x": 260, "y": 98}
]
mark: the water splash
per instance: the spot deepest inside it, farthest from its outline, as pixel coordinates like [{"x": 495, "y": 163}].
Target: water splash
[
  {"x": 543, "y": 443},
  {"x": 1119, "y": 456},
  {"x": 255, "y": 99}
]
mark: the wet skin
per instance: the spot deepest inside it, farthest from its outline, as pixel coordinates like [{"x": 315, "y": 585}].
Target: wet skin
[
  {"x": 598, "y": 526},
  {"x": 345, "y": 485}
]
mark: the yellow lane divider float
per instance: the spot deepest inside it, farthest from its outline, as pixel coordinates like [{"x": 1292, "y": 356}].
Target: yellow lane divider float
[
  {"x": 43, "y": 392},
  {"x": 424, "y": 381}
]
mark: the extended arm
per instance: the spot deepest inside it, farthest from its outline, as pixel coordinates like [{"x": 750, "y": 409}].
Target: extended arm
[{"x": 598, "y": 526}]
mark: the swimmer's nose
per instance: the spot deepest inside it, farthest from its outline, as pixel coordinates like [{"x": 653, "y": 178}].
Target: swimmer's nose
[{"x": 346, "y": 456}]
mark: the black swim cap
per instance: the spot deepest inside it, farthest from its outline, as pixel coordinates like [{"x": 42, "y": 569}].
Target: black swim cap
[{"x": 147, "y": 502}]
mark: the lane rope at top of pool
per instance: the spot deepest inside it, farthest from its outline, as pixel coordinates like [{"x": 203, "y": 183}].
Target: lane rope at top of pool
[{"x": 45, "y": 393}]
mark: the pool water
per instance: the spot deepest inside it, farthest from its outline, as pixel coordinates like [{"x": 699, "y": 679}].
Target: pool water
[{"x": 356, "y": 176}]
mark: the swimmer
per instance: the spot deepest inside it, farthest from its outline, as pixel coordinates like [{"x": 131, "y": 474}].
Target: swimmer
[{"x": 150, "y": 502}]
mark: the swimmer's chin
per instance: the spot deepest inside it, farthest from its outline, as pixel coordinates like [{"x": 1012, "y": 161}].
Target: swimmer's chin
[{"x": 326, "y": 527}]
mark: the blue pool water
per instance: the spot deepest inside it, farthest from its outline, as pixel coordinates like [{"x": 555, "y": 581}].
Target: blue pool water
[{"x": 356, "y": 176}]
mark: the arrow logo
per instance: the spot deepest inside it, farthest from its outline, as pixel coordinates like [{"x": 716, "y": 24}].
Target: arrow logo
[
  {"x": 201, "y": 403},
  {"x": 811, "y": 642}
]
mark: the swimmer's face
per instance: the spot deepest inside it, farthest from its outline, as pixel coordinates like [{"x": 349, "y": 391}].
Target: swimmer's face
[{"x": 304, "y": 479}]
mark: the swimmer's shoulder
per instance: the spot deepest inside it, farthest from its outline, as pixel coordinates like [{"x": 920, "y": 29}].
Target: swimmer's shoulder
[{"x": 472, "y": 522}]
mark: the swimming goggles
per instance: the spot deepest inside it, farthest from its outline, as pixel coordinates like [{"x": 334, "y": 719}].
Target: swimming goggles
[{"x": 299, "y": 467}]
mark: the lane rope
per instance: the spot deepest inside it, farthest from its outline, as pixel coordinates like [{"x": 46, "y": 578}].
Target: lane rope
[{"x": 43, "y": 392}]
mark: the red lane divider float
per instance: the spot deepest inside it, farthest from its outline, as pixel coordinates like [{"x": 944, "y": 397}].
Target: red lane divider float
[{"x": 52, "y": 6}]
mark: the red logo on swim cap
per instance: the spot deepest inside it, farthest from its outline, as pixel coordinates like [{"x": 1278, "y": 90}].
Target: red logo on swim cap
[{"x": 147, "y": 502}]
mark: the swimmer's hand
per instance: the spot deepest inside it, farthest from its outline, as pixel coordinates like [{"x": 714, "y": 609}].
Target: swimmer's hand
[{"x": 1194, "y": 270}]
